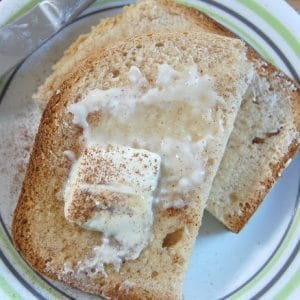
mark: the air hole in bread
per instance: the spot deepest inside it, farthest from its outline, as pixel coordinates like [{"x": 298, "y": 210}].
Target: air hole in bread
[
  {"x": 258, "y": 140},
  {"x": 172, "y": 238},
  {"x": 234, "y": 197},
  {"x": 159, "y": 44},
  {"x": 273, "y": 133},
  {"x": 139, "y": 46},
  {"x": 154, "y": 274},
  {"x": 48, "y": 260},
  {"x": 210, "y": 162},
  {"x": 24, "y": 222},
  {"x": 117, "y": 288},
  {"x": 247, "y": 205},
  {"x": 115, "y": 73}
]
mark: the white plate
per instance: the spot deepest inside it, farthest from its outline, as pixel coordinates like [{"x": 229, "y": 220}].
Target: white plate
[{"x": 247, "y": 265}]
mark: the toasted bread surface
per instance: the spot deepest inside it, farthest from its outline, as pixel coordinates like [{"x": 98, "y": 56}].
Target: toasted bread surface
[
  {"x": 55, "y": 247},
  {"x": 265, "y": 138},
  {"x": 235, "y": 194}
]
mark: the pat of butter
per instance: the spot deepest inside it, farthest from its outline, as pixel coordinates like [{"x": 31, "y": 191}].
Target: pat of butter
[{"x": 110, "y": 189}]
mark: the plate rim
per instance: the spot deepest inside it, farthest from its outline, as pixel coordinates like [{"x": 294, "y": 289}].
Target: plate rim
[{"x": 295, "y": 217}]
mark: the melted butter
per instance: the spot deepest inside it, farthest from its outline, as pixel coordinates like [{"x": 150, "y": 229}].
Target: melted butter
[
  {"x": 130, "y": 229},
  {"x": 110, "y": 189},
  {"x": 175, "y": 94},
  {"x": 175, "y": 119}
]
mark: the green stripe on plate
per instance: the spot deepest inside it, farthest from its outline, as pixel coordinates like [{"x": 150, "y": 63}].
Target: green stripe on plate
[
  {"x": 239, "y": 31},
  {"x": 21, "y": 11},
  {"x": 290, "y": 287},
  {"x": 8, "y": 290},
  {"x": 275, "y": 23},
  {"x": 4, "y": 241},
  {"x": 280, "y": 254}
]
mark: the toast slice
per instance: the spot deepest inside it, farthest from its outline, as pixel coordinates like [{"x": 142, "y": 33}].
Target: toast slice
[
  {"x": 200, "y": 127},
  {"x": 262, "y": 144},
  {"x": 265, "y": 138}
]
